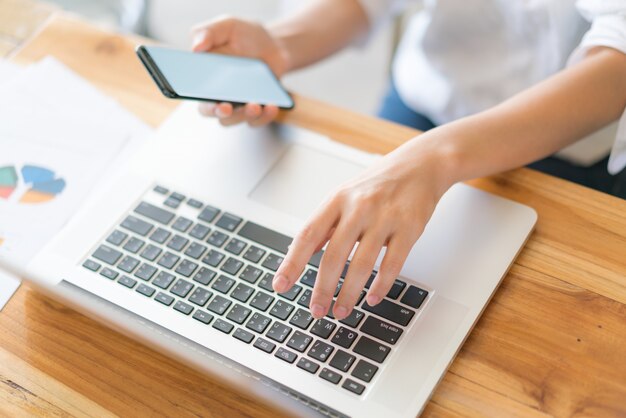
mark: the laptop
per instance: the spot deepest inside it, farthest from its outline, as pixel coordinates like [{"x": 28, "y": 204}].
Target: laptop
[{"x": 179, "y": 251}]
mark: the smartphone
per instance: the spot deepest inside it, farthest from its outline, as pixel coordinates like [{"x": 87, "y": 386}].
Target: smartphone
[{"x": 213, "y": 77}]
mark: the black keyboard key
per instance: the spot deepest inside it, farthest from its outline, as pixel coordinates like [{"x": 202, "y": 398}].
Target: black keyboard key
[
  {"x": 316, "y": 259},
  {"x": 301, "y": 319},
  {"x": 202, "y": 316},
  {"x": 279, "y": 332},
  {"x": 286, "y": 355},
  {"x": 272, "y": 262},
  {"x": 242, "y": 292},
  {"x": 281, "y": 309},
  {"x": 168, "y": 260},
  {"x": 217, "y": 239},
  {"x": 127, "y": 281},
  {"x": 342, "y": 361},
  {"x": 361, "y": 296},
  {"x": 204, "y": 276},
  {"x": 164, "y": 298},
  {"x": 251, "y": 274},
  {"x": 107, "y": 254},
  {"x": 235, "y": 246},
  {"x": 364, "y": 371},
  {"x": 145, "y": 290},
  {"x": 382, "y": 330},
  {"x": 163, "y": 280},
  {"x": 238, "y": 313},
  {"x": 321, "y": 351},
  {"x": 354, "y": 319},
  {"x": 160, "y": 235},
  {"x": 353, "y": 386},
  {"x": 371, "y": 349},
  {"x": 254, "y": 254},
  {"x": 213, "y": 258},
  {"x": 414, "y": 297},
  {"x": 264, "y": 236},
  {"x": 172, "y": 203},
  {"x": 160, "y": 190},
  {"x": 91, "y": 265},
  {"x": 261, "y": 301},
  {"x": 181, "y": 288},
  {"x": 338, "y": 288},
  {"x": 323, "y": 328},
  {"x": 200, "y": 296},
  {"x": 194, "y": 203},
  {"x": 133, "y": 245},
  {"x": 258, "y": 323},
  {"x": 182, "y": 224},
  {"x": 370, "y": 280},
  {"x": 305, "y": 299},
  {"x": 208, "y": 214},
  {"x": 199, "y": 231},
  {"x": 117, "y": 237},
  {"x": 225, "y": 327},
  {"x": 243, "y": 335},
  {"x": 308, "y": 278},
  {"x": 232, "y": 266},
  {"x": 308, "y": 365},
  {"x": 299, "y": 341},
  {"x": 391, "y": 311},
  {"x": 223, "y": 283},
  {"x": 128, "y": 264},
  {"x": 145, "y": 272},
  {"x": 177, "y": 243},
  {"x": 219, "y": 305},
  {"x": 229, "y": 222},
  {"x": 264, "y": 345},
  {"x": 292, "y": 293},
  {"x": 136, "y": 225},
  {"x": 183, "y": 307},
  {"x": 186, "y": 268},
  {"x": 195, "y": 250},
  {"x": 155, "y": 213},
  {"x": 151, "y": 252},
  {"x": 345, "y": 337},
  {"x": 397, "y": 288},
  {"x": 266, "y": 282},
  {"x": 109, "y": 273},
  {"x": 331, "y": 376}
]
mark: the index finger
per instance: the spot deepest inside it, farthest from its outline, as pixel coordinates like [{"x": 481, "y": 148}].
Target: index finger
[{"x": 212, "y": 35}]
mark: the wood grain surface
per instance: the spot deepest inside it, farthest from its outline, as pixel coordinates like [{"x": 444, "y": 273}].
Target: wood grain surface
[{"x": 551, "y": 342}]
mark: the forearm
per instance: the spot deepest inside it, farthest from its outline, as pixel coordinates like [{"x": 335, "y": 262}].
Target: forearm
[{"x": 320, "y": 30}]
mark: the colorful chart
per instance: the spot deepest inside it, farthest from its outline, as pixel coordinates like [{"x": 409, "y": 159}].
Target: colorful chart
[{"x": 40, "y": 184}]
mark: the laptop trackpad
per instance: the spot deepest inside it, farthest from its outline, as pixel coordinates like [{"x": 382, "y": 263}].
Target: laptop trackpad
[{"x": 301, "y": 178}]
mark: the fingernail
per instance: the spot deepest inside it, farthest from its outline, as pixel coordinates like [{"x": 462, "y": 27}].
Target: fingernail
[
  {"x": 372, "y": 300},
  {"x": 280, "y": 283},
  {"x": 317, "y": 310},
  {"x": 341, "y": 312}
]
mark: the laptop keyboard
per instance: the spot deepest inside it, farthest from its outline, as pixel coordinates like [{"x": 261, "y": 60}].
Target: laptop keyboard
[{"x": 216, "y": 268}]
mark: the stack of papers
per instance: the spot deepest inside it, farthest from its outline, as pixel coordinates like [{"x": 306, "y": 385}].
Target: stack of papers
[{"x": 60, "y": 139}]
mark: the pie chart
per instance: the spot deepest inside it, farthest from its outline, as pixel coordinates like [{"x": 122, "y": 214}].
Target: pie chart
[{"x": 40, "y": 184}]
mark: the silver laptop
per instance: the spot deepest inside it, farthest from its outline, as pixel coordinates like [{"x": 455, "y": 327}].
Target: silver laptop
[{"x": 180, "y": 252}]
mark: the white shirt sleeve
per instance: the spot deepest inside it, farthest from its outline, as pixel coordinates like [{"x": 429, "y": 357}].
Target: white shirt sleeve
[{"x": 608, "y": 29}]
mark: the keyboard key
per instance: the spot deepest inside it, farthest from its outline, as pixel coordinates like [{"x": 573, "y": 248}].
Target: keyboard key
[
  {"x": 243, "y": 335},
  {"x": 279, "y": 332},
  {"x": 177, "y": 243},
  {"x": 194, "y": 203},
  {"x": 345, "y": 337},
  {"x": 91, "y": 265},
  {"x": 242, "y": 292},
  {"x": 172, "y": 203},
  {"x": 182, "y": 224},
  {"x": 217, "y": 238},
  {"x": 264, "y": 345},
  {"x": 301, "y": 319},
  {"x": 145, "y": 290},
  {"x": 232, "y": 266},
  {"x": 254, "y": 254},
  {"x": 229, "y": 222},
  {"x": 164, "y": 298},
  {"x": 107, "y": 254},
  {"x": 391, "y": 311},
  {"x": 235, "y": 246},
  {"x": 160, "y": 190},
  {"x": 117, "y": 237},
  {"x": 331, "y": 376},
  {"x": 238, "y": 313},
  {"x": 342, "y": 361},
  {"x": 128, "y": 264},
  {"x": 323, "y": 328},
  {"x": 272, "y": 262},
  {"x": 109, "y": 274},
  {"x": 251, "y": 274},
  {"x": 281, "y": 310},
  {"x": 225, "y": 327},
  {"x": 338, "y": 288},
  {"x": 202, "y": 316},
  {"x": 258, "y": 323},
  {"x": 305, "y": 299},
  {"x": 195, "y": 250},
  {"x": 199, "y": 231},
  {"x": 265, "y": 237},
  {"x": 286, "y": 355},
  {"x": 213, "y": 258},
  {"x": 183, "y": 307},
  {"x": 181, "y": 288},
  {"x": 204, "y": 276},
  {"x": 308, "y": 365},
  {"x": 219, "y": 305},
  {"x": 396, "y": 289},
  {"x": 145, "y": 272},
  {"x": 370, "y": 280},
  {"x": 266, "y": 282},
  {"x": 321, "y": 351},
  {"x": 136, "y": 225},
  {"x": 208, "y": 214},
  {"x": 292, "y": 293},
  {"x": 353, "y": 386},
  {"x": 200, "y": 296},
  {"x": 157, "y": 214},
  {"x": 354, "y": 319},
  {"x": 382, "y": 330},
  {"x": 299, "y": 341},
  {"x": 168, "y": 260},
  {"x": 316, "y": 259},
  {"x": 371, "y": 349},
  {"x": 223, "y": 284},
  {"x": 364, "y": 371},
  {"x": 186, "y": 268},
  {"x": 414, "y": 297},
  {"x": 127, "y": 281},
  {"x": 177, "y": 196},
  {"x": 160, "y": 235},
  {"x": 261, "y": 301},
  {"x": 309, "y": 277},
  {"x": 151, "y": 252},
  {"x": 163, "y": 280}
]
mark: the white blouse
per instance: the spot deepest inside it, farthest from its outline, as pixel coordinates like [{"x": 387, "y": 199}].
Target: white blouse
[{"x": 459, "y": 57}]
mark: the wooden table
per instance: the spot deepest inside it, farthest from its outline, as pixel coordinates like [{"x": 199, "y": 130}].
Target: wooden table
[{"x": 551, "y": 343}]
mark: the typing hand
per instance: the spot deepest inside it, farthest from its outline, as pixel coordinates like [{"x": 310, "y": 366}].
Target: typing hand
[
  {"x": 387, "y": 206},
  {"x": 227, "y": 35}
]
